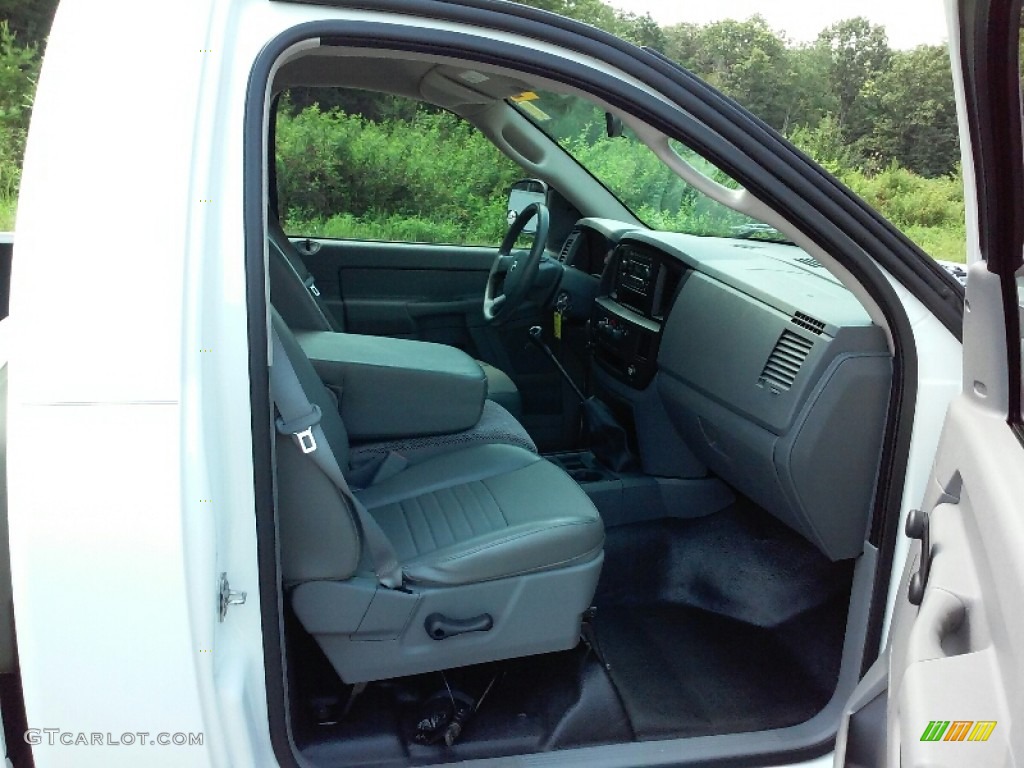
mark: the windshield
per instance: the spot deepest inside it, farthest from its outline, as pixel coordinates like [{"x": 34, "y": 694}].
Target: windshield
[{"x": 631, "y": 171}]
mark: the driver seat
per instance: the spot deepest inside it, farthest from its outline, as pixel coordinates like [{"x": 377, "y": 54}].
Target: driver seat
[{"x": 294, "y": 294}]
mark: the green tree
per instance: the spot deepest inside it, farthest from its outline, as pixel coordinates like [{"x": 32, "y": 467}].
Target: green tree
[
  {"x": 914, "y": 113},
  {"x": 593, "y": 12},
  {"x": 641, "y": 30},
  {"x": 744, "y": 59},
  {"x": 806, "y": 97},
  {"x": 29, "y": 20},
  {"x": 858, "y": 53}
]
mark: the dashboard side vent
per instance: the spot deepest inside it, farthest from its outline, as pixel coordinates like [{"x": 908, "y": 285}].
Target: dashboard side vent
[
  {"x": 809, "y": 323},
  {"x": 785, "y": 360},
  {"x": 570, "y": 241}
]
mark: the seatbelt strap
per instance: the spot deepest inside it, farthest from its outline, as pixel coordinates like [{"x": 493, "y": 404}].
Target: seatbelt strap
[{"x": 301, "y": 419}]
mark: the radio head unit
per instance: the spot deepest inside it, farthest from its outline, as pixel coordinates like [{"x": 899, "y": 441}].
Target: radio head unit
[{"x": 635, "y": 280}]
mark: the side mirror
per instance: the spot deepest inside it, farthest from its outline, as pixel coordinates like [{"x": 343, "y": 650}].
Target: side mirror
[{"x": 523, "y": 193}]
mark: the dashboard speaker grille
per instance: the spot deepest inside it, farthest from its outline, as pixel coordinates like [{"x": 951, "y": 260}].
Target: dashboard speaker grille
[{"x": 785, "y": 360}]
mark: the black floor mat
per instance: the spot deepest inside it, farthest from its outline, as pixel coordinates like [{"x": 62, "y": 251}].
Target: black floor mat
[
  {"x": 723, "y": 624},
  {"x": 687, "y": 672}
]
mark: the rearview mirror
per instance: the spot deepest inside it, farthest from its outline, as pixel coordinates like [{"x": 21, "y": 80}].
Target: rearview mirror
[{"x": 523, "y": 193}]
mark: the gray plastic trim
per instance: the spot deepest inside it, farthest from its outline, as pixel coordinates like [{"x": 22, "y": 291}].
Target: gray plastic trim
[{"x": 389, "y": 640}]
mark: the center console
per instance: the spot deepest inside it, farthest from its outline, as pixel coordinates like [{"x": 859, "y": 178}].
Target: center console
[
  {"x": 638, "y": 288},
  {"x": 390, "y": 388}
]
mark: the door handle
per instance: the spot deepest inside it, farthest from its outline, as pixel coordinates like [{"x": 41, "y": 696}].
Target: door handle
[{"x": 919, "y": 527}]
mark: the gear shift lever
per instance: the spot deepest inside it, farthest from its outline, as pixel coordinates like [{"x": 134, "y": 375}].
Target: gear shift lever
[
  {"x": 602, "y": 433},
  {"x": 537, "y": 337}
]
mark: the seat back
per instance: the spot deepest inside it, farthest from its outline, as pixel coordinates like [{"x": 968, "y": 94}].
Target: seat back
[
  {"x": 318, "y": 534},
  {"x": 292, "y": 291}
]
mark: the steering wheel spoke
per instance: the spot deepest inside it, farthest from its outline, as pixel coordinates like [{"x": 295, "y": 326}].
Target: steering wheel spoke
[{"x": 512, "y": 274}]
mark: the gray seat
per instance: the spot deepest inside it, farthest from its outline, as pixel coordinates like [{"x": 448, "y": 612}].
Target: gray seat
[
  {"x": 293, "y": 293},
  {"x": 490, "y": 537}
]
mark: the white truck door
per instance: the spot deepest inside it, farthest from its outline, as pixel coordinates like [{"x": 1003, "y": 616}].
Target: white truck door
[{"x": 947, "y": 689}]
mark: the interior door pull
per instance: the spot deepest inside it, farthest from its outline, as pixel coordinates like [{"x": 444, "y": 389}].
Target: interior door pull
[{"x": 918, "y": 528}]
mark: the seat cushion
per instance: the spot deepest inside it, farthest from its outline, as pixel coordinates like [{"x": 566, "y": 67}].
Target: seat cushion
[{"x": 482, "y": 513}]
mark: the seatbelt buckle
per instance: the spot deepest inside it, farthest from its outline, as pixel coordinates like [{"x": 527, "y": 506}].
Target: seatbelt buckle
[
  {"x": 305, "y": 439},
  {"x": 301, "y": 429}
]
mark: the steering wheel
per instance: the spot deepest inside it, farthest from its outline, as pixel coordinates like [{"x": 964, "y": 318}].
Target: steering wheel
[{"x": 511, "y": 276}]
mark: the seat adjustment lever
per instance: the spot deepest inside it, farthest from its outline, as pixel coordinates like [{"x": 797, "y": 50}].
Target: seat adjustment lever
[{"x": 440, "y": 627}]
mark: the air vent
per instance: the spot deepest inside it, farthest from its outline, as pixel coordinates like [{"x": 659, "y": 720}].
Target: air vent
[
  {"x": 563, "y": 255},
  {"x": 808, "y": 322},
  {"x": 785, "y": 360},
  {"x": 810, "y": 262}
]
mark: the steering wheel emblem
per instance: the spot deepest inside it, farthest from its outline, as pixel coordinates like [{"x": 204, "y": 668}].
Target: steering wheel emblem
[{"x": 515, "y": 264}]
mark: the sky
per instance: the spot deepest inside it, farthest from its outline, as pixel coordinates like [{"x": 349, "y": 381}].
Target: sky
[{"x": 907, "y": 22}]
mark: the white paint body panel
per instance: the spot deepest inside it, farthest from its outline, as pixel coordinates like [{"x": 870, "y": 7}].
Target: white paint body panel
[{"x": 130, "y": 457}]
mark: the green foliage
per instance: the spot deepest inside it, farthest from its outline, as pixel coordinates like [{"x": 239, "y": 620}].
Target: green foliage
[
  {"x": 909, "y": 200},
  {"x": 825, "y": 143},
  {"x": 8, "y": 208},
  {"x": 858, "y": 54},
  {"x": 429, "y": 178},
  {"x": 913, "y": 114},
  {"x": 29, "y": 19},
  {"x": 19, "y": 66},
  {"x": 929, "y": 211},
  {"x": 745, "y": 59}
]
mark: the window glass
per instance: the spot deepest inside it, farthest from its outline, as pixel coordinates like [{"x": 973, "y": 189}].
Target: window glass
[
  {"x": 633, "y": 173},
  {"x": 368, "y": 166}
]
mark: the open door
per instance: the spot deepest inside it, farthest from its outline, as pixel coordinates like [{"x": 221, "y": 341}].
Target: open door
[{"x": 947, "y": 690}]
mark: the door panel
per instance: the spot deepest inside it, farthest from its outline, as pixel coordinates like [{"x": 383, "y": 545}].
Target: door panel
[
  {"x": 950, "y": 670},
  {"x": 955, "y": 662},
  {"x": 427, "y": 292}
]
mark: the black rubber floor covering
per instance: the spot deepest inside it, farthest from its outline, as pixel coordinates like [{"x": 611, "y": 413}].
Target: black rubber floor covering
[{"x": 717, "y": 625}]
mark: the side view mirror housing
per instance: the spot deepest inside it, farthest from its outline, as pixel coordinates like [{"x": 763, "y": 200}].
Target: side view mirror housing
[{"x": 521, "y": 194}]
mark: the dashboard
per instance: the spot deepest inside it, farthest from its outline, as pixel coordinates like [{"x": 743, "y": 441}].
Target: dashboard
[{"x": 768, "y": 370}]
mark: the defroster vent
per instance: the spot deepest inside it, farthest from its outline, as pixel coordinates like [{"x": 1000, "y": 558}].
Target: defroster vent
[
  {"x": 808, "y": 322},
  {"x": 785, "y": 360},
  {"x": 563, "y": 255}
]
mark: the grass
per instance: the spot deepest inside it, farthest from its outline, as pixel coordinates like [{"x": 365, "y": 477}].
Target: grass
[
  {"x": 947, "y": 243},
  {"x": 8, "y": 207}
]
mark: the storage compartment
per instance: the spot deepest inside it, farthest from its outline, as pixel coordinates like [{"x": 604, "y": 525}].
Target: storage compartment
[{"x": 390, "y": 388}]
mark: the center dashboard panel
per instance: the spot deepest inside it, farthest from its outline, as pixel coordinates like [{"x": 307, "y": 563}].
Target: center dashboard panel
[{"x": 638, "y": 289}]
